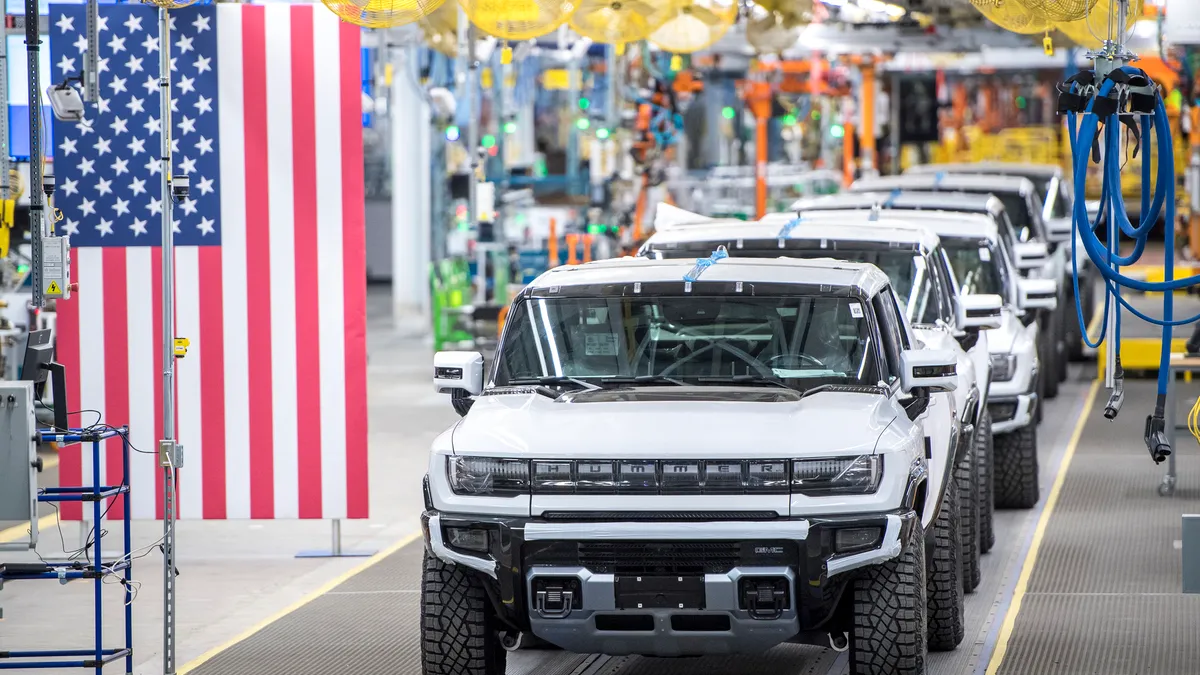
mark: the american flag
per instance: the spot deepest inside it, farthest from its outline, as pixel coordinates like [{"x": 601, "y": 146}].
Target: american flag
[{"x": 269, "y": 258}]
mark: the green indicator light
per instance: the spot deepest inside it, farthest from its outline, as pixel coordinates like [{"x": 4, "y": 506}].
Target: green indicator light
[
  {"x": 602, "y": 134},
  {"x": 816, "y": 114},
  {"x": 837, "y": 131},
  {"x": 789, "y": 119},
  {"x": 727, "y": 113},
  {"x": 583, "y": 123},
  {"x": 488, "y": 141},
  {"x": 1021, "y": 103},
  {"x": 584, "y": 104},
  {"x": 595, "y": 229},
  {"x": 452, "y": 133},
  {"x": 510, "y": 127}
]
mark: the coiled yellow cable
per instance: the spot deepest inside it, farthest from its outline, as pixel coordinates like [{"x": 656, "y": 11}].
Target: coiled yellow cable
[{"x": 1194, "y": 420}]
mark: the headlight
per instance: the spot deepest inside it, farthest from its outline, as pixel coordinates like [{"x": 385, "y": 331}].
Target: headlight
[
  {"x": 837, "y": 475},
  {"x": 1004, "y": 366},
  {"x": 488, "y": 476}
]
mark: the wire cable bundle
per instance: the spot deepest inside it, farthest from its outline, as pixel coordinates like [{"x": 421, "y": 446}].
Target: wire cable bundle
[{"x": 1114, "y": 100}]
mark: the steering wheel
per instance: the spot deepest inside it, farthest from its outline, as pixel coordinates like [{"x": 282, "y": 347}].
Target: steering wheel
[
  {"x": 788, "y": 358},
  {"x": 754, "y": 363}
]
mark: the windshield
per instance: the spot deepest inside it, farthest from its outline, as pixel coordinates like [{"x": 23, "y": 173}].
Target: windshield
[
  {"x": 800, "y": 341},
  {"x": 1055, "y": 201},
  {"x": 906, "y": 269},
  {"x": 977, "y": 266}
]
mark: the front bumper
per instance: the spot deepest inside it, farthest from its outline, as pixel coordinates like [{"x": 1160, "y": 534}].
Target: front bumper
[
  {"x": 1010, "y": 413},
  {"x": 719, "y": 558}
]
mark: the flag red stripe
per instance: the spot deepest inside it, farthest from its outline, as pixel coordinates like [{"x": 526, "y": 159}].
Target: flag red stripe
[
  {"x": 156, "y": 273},
  {"x": 258, "y": 273},
  {"x": 116, "y": 368},
  {"x": 70, "y": 468},
  {"x": 354, "y": 254},
  {"x": 212, "y": 381},
  {"x": 308, "y": 324}
]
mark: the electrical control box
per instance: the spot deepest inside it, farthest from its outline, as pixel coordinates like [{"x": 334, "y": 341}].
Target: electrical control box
[
  {"x": 18, "y": 455},
  {"x": 56, "y": 268}
]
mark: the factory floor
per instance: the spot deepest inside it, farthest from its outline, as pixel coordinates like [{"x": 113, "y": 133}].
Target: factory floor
[{"x": 1087, "y": 582}]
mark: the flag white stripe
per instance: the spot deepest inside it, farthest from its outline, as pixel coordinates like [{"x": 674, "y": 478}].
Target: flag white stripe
[
  {"x": 280, "y": 191},
  {"x": 143, "y": 380},
  {"x": 233, "y": 260},
  {"x": 330, "y": 299},
  {"x": 187, "y": 324},
  {"x": 91, "y": 358}
]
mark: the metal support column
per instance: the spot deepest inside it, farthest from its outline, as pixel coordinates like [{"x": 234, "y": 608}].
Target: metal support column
[
  {"x": 91, "y": 57},
  {"x": 168, "y": 455},
  {"x": 5, "y": 187},
  {"x": 33, "y": 41}
]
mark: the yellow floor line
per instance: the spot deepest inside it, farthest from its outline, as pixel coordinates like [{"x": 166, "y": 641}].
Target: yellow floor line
[
  {"x": 19, "y": 532},
  {"x": 1010, "y": 618},
  {"x": 325, "y": 588}
]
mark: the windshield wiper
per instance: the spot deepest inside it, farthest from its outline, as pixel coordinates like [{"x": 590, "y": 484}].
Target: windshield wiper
[
  {"x": 642, "y": 379},
  {"x": 746, "y": 380},
  {"x": 554, "y": 380},
  {"x": 817, "y": 389}
]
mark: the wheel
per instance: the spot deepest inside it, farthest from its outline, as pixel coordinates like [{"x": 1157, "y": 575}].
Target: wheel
[
  {"x": 985, "y": 460},
  {"x": 1016, "y": 461},
  {"x": 1061, "y": 356},
  {"x": 944, "y": 577},
  {"x": 458, "y": 623},
  {"x": 890, "y": 623},
  {"x": 1049, "y": 357},
  {"x": 1040, "y": 388},
  {"x": 966, "y": 478}
]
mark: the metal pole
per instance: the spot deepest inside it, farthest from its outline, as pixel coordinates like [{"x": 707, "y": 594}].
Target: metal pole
[
  {"x": 91, "y": 59},
  {"x": 5, "y": 188},
  {"x": 33, "y": 41},
  {"x": 336, "y": 547},
  {"x": 167, "y": 448}
]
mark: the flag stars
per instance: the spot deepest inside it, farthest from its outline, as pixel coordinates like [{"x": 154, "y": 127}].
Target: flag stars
[
  {"x": 155, "y": 207},
  {"x": 102, "y": 24},
  {"x": 88, "y": 207},
  {"x": 175, "y": 225},
  {"x": 152, "y": 166},
  {"x": 204, "y": 185},
  {"x": 188, "y": 166},
  {"x": 138, "y": 227},
  {"x": 102, "y": 105},
  {"x": 184, "y": 44},
  {"x": 102, "y": 65},
  {"x": 120, "y": 166},
  {"x": 202, "y": 64},
  {"x": 81, "y": 43},
  {"x": 187, "y": 126},
  {"x": 70, "y": 187},
  {"x": 206, "y": 226},
  {"x": 71, "y": 227},
  {"x": 135, "y": 106},
  {"x": 68, "y": 146},
  {"x": 105, "y": 227},
  {"x": 187, "y": 84},
  {"x": 104, "y": 186},
  {"x": 118, "y": 85},
  {"x": 188, "y": 206},
  {"x": 122, "y": 207},
  {"x": 87, "y": 166},
  {"x": 116, "y": 44},
  {"x": 204, "y": 146},
  {"x": 119, "y": 126},
  {"x": 134, "y": 64},
  {"x": 151, "y": 84},
  {"x": 137, "y": 146},
  {"x": 152, "y": 126},
  {"x": 150, "y": 44},
  {"x": 133, "y": 23},
  {"x": 103, "y": 146},
  {"x": 203, "y": 105},
  {"x": 85, "y": 127},
  {"x": 65, "y": 23},
  {"x": 201, "y": 23},
  {"x": 138, "y": 185},
  {"x": 66, "y": 65}
]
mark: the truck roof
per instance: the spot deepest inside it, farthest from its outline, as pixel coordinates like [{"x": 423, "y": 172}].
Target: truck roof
[
  {"x": 839, "y": 225},
  {"x": 1040, "y": 171},
  {"x": 945, "y": 181},
  {"x": 864, "y": 277},
  {"x": 906, "y": 200},
  {"x": 943, "y": 223}
]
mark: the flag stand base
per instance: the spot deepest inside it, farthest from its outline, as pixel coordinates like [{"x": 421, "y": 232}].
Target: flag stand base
[{"x": 336, "y": 551}]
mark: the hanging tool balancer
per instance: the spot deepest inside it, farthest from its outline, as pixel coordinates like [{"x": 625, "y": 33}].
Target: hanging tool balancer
[{"x": 1110, "y": 97}]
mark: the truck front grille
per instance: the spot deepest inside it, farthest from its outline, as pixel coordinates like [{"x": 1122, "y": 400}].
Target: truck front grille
[{"x": 659, "y": 558}]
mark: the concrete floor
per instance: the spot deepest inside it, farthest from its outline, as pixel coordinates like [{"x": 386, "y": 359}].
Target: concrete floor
[{"x": 236, "y": 574}]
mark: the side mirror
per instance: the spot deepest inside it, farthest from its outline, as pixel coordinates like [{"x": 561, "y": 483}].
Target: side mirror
[
  {"x": 458, "y": 372},
  {"x": 1031, "y": 255},
  {"x": 1038, "y": 294},
  {"x": 1058, "y": 230},
  {"x": 979, "y": 311},
  {"x": 929, "y": 369}
]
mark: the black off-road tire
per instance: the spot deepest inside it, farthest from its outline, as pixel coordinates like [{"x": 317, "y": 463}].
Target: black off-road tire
[
  {"x": 966, "y": 477},
  {"x": 1049, "y": 360},
  {"x": 1017, "y": 469},
  {"x": 985, "y": 460},
  {"x": 889, "y": 611},
  {"x": 1063, "y": 355},
  {"x": 458, "y": 624},
  {"x": 945, "y": 596}
]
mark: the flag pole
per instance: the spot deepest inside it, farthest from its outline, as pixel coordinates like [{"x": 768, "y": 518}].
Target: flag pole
[{"x": 168, "y": 454}]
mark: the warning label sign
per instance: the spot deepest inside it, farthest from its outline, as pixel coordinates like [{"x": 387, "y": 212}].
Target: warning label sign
[{"x": 53, "y": 288}]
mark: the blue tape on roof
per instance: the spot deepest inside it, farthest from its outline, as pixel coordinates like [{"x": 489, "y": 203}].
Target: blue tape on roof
[
  {"x": 786, "y": 230},
  {"x": 705, "y": 263}
]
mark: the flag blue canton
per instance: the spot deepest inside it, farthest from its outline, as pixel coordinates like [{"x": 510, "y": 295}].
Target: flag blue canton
[{"x": 108, "y": 166}]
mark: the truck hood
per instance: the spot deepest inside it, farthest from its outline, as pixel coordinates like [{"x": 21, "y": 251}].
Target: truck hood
[
  {"x": 674, "y": 422},
  {"x": 1001, "y": 340}
]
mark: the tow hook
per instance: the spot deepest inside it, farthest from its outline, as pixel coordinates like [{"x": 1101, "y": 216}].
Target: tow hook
[
  {"x": 839, "y": 642},
  {"x": 554, "y": 601}
]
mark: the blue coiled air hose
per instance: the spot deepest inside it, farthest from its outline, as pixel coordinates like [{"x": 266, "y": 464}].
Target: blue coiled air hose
[{"x": 1106, "y": 255}]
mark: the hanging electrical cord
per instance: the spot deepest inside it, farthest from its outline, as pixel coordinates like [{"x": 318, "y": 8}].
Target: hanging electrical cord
[{"x": 1114, "y": 99}]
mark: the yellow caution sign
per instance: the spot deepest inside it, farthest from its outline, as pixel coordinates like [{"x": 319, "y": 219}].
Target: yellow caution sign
[
  {"x": 181, "y": 347},
  {"x": 1048, "y": 45},
  {"x": 556, "y": 78},
  {"x": 54, "y": 289}
]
